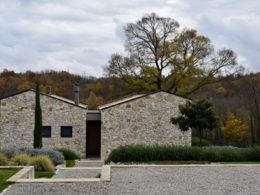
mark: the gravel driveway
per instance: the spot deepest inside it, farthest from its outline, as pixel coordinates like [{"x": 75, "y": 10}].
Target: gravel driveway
[{"x": 158, "y": 180}]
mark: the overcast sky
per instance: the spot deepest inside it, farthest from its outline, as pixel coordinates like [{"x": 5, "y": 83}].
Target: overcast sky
[{"x": 79, "y": 36}]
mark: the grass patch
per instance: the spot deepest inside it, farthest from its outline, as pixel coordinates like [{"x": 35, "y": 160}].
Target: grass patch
[
  {"x": 168, "y": 162},
  {"x": 5, "y": 174},
  {"x": 43, "y": 174},
  {"x": 70, "y": 163},
  {"x": 242, "y": 163}
]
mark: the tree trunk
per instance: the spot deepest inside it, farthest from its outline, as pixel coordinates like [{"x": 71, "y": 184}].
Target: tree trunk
[{"x": 200, "y": 136}]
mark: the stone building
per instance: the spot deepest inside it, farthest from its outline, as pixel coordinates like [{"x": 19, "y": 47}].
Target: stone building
[
  {"x": 138, "y": 119},
  {"x": 142, "y": 119},
  {"x": 64, "y": 122}
]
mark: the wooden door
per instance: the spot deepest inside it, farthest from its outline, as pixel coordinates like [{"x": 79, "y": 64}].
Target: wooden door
[{"x": 93, "y": 138}]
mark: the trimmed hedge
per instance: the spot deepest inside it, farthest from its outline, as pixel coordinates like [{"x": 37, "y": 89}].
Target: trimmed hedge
[
  {"x": 55, "y": 156},
  {"x": 195, "y": 141},
  {"x": 68, "y": 154},
  {"x": 146, "y": 153}
]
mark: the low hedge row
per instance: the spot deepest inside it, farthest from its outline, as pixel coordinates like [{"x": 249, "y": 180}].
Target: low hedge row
[
  {"x": 195, "y": 141},
  {"x": 146, "y": 153}
]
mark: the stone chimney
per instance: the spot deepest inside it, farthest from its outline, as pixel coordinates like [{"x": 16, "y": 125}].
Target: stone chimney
[{"x": 76, "y": 94}]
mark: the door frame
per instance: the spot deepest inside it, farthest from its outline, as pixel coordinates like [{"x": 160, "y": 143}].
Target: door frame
[{"x": 96, "y": 123}]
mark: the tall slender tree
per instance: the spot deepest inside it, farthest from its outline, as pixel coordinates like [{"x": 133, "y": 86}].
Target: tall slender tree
[{"x": 37, "y": 142}]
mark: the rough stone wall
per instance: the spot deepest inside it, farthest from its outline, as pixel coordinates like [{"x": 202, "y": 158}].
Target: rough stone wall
[
  {"x": 142, "y": 121},
  {"x": 17, "y": 122}
]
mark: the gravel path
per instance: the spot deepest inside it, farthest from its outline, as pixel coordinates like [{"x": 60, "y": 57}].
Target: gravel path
[
  {"x": 78, "y": 173},
  {"x": 157, "y": 180}
]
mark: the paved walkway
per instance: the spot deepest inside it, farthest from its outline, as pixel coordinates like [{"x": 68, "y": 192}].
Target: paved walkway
[
  {"x": 157, "y": 180},
  {"x": 83, "y": 169},
  {"x": 78, "y": 173},
  {"x": 89, "y": 163}
]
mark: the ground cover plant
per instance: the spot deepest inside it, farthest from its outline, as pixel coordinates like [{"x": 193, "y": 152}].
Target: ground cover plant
[
  {"x": 43, "y": 174},
  {"x": 68, "y": 154},
  {"x": 20, "y": 160},
  {"x": 148, "y": 153},
  {"x": 3, "y": 160},
  {"x": 70, "y": 163},
  {"x": 42, "y": 163},
  {"x": 55, "y": 156}
]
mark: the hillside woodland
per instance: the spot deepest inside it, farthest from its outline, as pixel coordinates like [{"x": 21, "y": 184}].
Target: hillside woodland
[{"x": 237, "y": 96}]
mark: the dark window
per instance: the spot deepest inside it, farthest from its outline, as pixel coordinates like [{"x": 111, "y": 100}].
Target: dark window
[
  {"x": 66, "y": 131},
  {"x": 46, "y": 131}
]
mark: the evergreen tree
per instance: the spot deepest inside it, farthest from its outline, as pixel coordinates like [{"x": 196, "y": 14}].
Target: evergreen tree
[
  {"x": 198, "y": 115},
  {"x": 37, "y": 142}
]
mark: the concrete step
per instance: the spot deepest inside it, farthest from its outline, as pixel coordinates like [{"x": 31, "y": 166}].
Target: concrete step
[
  {"x": 89, "y": 163},
  {"x": 78, "y": 172}
]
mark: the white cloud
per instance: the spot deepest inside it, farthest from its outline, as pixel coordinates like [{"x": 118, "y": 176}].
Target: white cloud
[{"x": 80, "y": 36}]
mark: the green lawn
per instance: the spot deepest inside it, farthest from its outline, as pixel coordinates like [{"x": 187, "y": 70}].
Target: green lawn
[
  {"x": 70, "y": 163},
  {"x": 43, "y": 174},
  {"x": 5, "y": 174},
  {"x": 168, "y": 162}
]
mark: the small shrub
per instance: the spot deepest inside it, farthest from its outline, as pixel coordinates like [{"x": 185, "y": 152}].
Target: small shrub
[
  {"x": 253, "y": 153},
  {"x": 42, "y": 163},
  {"x": 11, "y": 152},
  {"x": 3, "y": 160},
  {"x": 196, "y": 142},
  {"x": 70, "y": 163},
  {"x": 68, "y": 154},
  {"x": 55, "y": 156},
  {"x": 21, "y": 160}
]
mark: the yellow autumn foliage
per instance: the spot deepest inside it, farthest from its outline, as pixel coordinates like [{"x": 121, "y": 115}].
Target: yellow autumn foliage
[{"x": 234, "y": 129}]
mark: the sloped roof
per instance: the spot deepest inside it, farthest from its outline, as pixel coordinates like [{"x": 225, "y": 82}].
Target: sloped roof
[
  {"x": 130, "y": 98},
  {"x": 65, "y": 100}
]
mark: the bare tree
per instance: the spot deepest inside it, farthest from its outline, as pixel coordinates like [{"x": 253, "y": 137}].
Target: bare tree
[{"x": 161, "y": 56}]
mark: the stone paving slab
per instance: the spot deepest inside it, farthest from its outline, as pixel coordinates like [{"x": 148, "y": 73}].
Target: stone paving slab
[
  {"x": 89, "y": 163},
  {"x": 78, "y": 173}
]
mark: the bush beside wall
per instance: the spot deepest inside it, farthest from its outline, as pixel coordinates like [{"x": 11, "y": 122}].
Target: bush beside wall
[
  {"x": 195, "y": 141},
  {"x": 42, "y": 163},
  {"x": 146, "y": 153},
  {"x": 3, "y": 160},
  {"x": 20, "y": 160},
  {"x": 55, "y": 156},
  {"x": 68, "y": 154}
]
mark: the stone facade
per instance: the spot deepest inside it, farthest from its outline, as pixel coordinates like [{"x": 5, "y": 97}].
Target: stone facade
[
  {"x": 144, "y": 120},
  {"x": 17, "y": 122}
]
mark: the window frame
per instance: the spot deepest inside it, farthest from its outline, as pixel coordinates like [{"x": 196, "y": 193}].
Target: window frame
[
  {"x": 49, "y": 128},
  {"x": 62, "y": 135}
]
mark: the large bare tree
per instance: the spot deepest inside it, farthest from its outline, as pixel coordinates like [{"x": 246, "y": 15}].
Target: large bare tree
[{"x": 160, "y": 56}]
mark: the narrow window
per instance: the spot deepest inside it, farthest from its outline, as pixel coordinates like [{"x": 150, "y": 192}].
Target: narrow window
[
  {"x": 46, "y": 131},
  {"x": 66, "y": 131}
]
